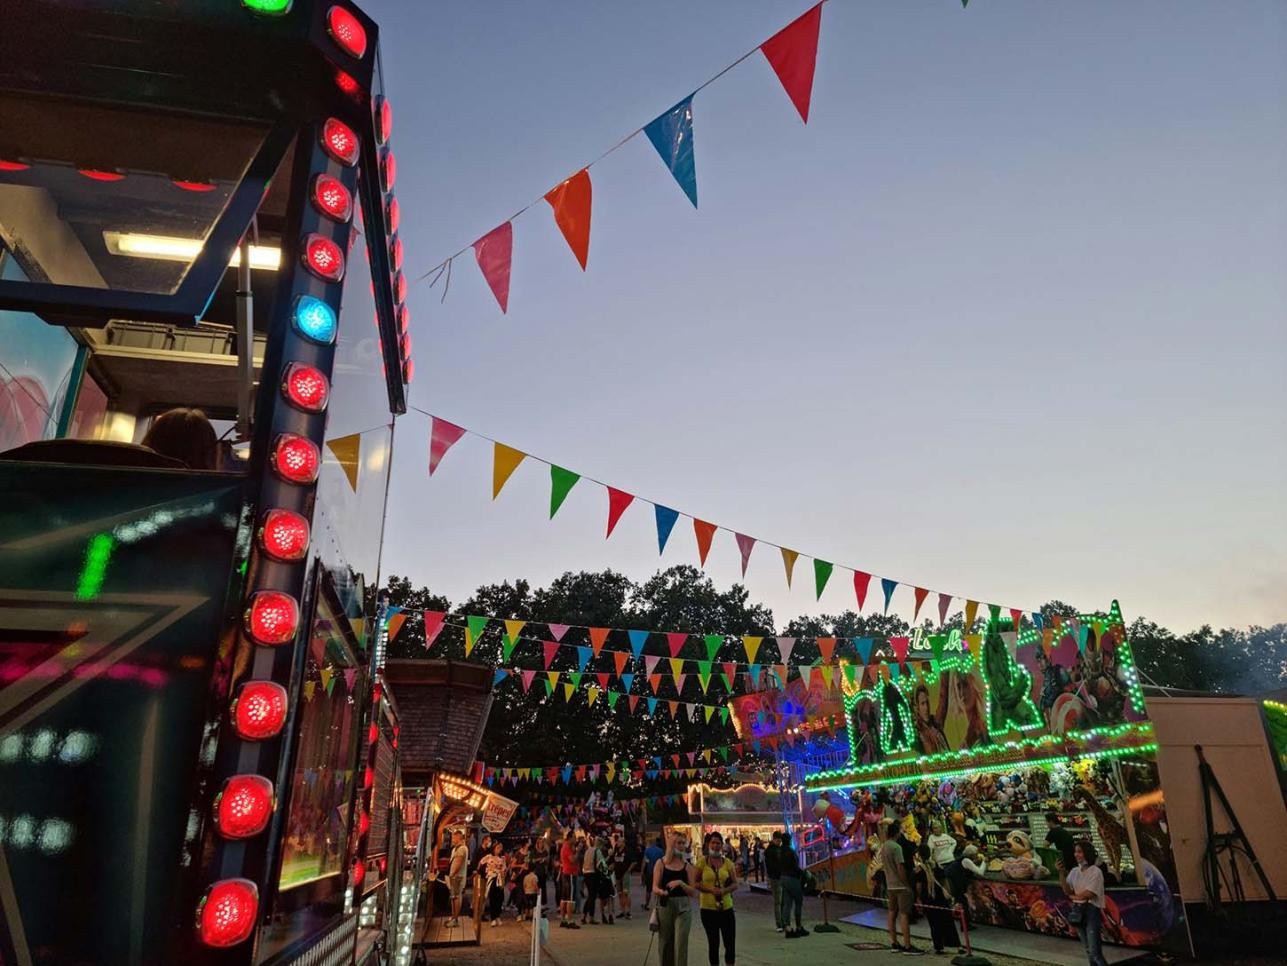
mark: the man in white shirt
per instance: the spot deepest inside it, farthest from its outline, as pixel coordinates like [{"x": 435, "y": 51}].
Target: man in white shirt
[
  {"x": 1084, "y": 885},
  {"x": 456, "y": 875}
]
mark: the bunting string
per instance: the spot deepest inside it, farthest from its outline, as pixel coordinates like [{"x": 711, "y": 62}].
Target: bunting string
[
  {"x": 791, "y": 54},
  {"x": 506, "y": 460}
]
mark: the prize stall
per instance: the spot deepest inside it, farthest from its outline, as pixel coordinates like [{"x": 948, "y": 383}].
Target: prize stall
[
  {"x": 751, "y": 810},
  {"x": 1000, "y": 738}
]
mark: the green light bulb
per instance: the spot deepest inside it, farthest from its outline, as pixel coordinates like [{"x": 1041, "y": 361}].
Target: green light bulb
[{"x": 271, "y": 8}]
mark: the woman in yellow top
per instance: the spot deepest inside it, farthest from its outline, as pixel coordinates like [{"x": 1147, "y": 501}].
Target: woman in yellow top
[{"x": 716, "y": 883}]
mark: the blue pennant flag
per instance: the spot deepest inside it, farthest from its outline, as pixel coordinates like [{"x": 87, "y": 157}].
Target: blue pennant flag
[
  {"x": 639, "y": 638},
  {"x": 582, "y": 658},
  {"x": 499, "y": 677},
  {"x": 652, "y": 775},
  {"x": 566, "y": 774},
  {"x": 1038, "y": 621},
  {"x": 628, "y": 679},
  {"x": 756, "y": 745},
  {"x": 666, "y": 518},
  {"x": 672, "y": 135},
  {"x": 652, "y": 705},
  {"x": 888, "y": 586},
  {"x": 863, "y": 644}
]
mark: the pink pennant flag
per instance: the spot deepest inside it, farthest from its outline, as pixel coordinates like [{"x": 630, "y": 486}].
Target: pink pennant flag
[
  {"x": 792, "y": 52},
  {"x": 919, "y": 593},
  {"x": 785, "y": 646},
  {"x": 350, "y": 675},
  {"x": 944, "y": 601},
  {"x": 442, "y": 437},
  {"x": 730, "y": 670},
  {"x": 861, "y": 580},
  {"x": 527, "y": 677},
  {"x": 650, "y": 663},
  {"x": 745, "y": 545},
  {"x": 900, "y": 645},
  {"x": 433, "y": 626},
  {"x": 558, "y": 630},
  {"x": 493, "y": 252},
  {"x": 551, "y": 651},
  {"x": 676, "y": 640},
  {"x": 618, "y": 500}
]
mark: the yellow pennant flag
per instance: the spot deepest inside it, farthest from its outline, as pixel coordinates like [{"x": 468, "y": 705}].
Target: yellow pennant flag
[
  {"x": 752, "y": 647},
  {"x": 309, "y": 688},
  {"x": 971, "y": 609},
  {"x": 568, "y": 691},
  {"x": 788, "y": 560},
  {"x": 593, "y": 696},
  {"x": 706, "y": 756},
  {"x": 677, "y": 666},
  {"x": 325, "y": 674},
  {"x": 710, "y": 710},
  {"x": 347, "y": 450},
  {"x": 505, "y": 460},
  {"x": 826, "y": 675},
  {"x": 513, "y": 629},
  {"x": 612, "y": 771},
  {"x": 1047, "y": 639},
  {"x": 554, "y": 678},
  {"x": 976, "y": 644}
]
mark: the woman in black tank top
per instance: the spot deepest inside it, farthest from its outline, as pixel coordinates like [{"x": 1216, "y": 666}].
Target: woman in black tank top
[{"x": 673, "y": 883}]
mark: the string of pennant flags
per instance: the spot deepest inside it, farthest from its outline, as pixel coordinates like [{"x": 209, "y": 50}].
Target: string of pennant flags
[
  {"x": 573, "y": 684},
  {"x": 608, "y": 771},
  {"x": 791, "y": 53},
  {"x": 506, "y": 459}
]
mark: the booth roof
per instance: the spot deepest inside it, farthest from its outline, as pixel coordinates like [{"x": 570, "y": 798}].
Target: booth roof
[{"x": 443, "y": 708}]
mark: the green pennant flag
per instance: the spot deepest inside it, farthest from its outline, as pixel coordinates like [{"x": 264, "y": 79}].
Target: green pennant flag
[
  {"x": 575, "y": 678},
  {"x": 713, "y": 643},
  {"x": 821, "y": 574},
  {"x": 549, "y": 687},
  {"x": 723, "y": 751},
  {"x": 474, "y": 627},
  {"x": 728, "y": 683},
  {"x": 723, "y": 714},
  {"x": 710, "y": 710},
  {"x": 561, "y": 483},
  {"x": 704, "y": 674},
  {"x": 850, "y": 671},
  {"x": 613, "y": 698},
  {"x": 936, "y": 646}
]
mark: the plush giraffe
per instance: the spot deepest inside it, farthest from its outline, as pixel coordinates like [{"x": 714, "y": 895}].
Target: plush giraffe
[{"x": 1111, "y": 831}]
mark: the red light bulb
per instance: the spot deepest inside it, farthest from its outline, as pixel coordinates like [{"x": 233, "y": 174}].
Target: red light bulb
[
  {"x": 227, "y": 912},
  {"x": 272, "y": 618},
  {"x": 408, "y": 371},
  {"x": 368, "y": 777},
  {"x": 339, "y": 141},
  {"x": 399, "y": 287},
  {"x": 93, "y": 175},
  {"x": 359, "y": 872},
  {"x": 244, "y": 806},
  {"x": 347, "y": 31},
  {"x": 383, "y": 119},
  {"x": 388, "y": 169},
  {"x": 346, "y": 83},
  {"x": 406, "y": 346},
  {"x": 259, "y": 710},
  {"x": 306, "y": 387},
  {"x": 364, "y": 823},
  {"x": 13, "y": 166},
  {"x": 197, "y": 187},
  {"x": 284, "y": 535},
  {"x": 323, "y": 258},
  {"x": 394, "y": 214},
  {"x": 296, "y": 459},
  {"x": 404, "y": 319},
  {"x": 395, "y": 253},
  {"x": 331, "y": 198}
]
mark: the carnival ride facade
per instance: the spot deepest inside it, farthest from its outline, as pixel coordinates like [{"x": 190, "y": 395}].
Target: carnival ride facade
[{"x": 200, "y": 761}]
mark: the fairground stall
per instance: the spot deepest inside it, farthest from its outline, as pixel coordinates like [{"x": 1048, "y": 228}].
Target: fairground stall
[
  {"x": 1000, "y": 737},
  {"x": 749, "y": 809},
  {"x": 198, "y": 763}
]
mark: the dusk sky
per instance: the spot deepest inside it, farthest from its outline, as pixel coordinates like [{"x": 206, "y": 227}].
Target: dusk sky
[{"x": 1007, "y": 318}]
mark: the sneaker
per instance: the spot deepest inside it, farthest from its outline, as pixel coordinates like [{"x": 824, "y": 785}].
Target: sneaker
[
  {"x": 895, "y": 948},
  {"x": 495, "y": 923},
  {"x": 573, "y": 925},
  {"x": 914, "y": 950},
  {"x": 778, "y": 928}
]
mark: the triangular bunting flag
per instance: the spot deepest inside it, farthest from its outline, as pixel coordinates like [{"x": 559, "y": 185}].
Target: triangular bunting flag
[
  {"x": 919, "y": 593},
  {"x": 637, "y": 641},
  {"x": 512, "y": 629},
  {"x": 792, "y": 52},
  {"x": 751, "y": 645},
  {"x": 944, "y": 601},
  {"x": 713, "y": 643},
  {"x": 499, "y": 676},
  {"x": 666, "y": 518},
  {"x": 652, "y": 705},
  {"x": 582, "y": 657},
  {"x": 971, "y": 610},
  {"x": 393, "y": 625},
  {"x": 493, "y": 253},
  {"x": 826, "y": 675},
  {"x": 672, "y": 135},
  {"x": 705, "y": 532},
  {"x": 474, "y": 627},
  {"x": 676, "y": 641},
  {"x": 900, "y": 645},
  {"x": 598, "y": 635},
  {"x": 568, "y": 691},
  {"x": 631, "y": 701},
  {"x": 627, "y": 680},
  {"x": 558, "y": 630},
  {"x": 592, "y": 693},
  {"x": 677, "y": 667},
  {"x": 650, "y": 663},
  {"x": 348, "y": 452},
  {"x": 789, "y": 558},
  {"x": 821, "y": 574},
  {"x": 551, "y": 651},
  {"x": 575, "y": 677},
  {"x": 571, "y": 204},
  {"x": 710, "y": 710},
  {"x": 553, "y": 677},
  {"x": 561, "y": 483},
  {"x": 785, "y": 646},
  {"x": 619, "y": 661},
  {"x": 826, "y": 647},
  {"x": 745, "y": 545},
  {"x": 654, "y": 682},
  {"x": 861, "y": 580},
  {"x": 505, "y": 460},
  {"x": 526, "y": 677},
  {"x": 618, "y": 500},
  {"x": 888, "y": 586},
  {"x": 1015, "y": 616},
  {"x": 442, "y": 437}
]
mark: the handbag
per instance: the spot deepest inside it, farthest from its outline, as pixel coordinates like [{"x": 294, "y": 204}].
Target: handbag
[{"x": 1077, "y": 914}]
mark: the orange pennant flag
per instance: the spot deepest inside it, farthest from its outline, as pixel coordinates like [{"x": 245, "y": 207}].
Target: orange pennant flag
[
  {"x": 654, "y": 681},
  {"x": 505, "y": 460},
  {"x": 598, "y": 635},
  {"x": 394, "y": 625},
  {"x": 571, "y": 204},
  {"x": 789, "y": 558},
  {"x": 826, "y": 647},
  {"x": 705, "y": 533},
  {"x": 620, "y": 659}
]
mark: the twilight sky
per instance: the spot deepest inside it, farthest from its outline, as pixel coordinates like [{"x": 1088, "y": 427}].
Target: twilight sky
[{"x": 1007, "y": 319}]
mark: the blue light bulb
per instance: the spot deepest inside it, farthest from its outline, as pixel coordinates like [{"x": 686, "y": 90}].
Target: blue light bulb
[{"x": 315, "y": 320}]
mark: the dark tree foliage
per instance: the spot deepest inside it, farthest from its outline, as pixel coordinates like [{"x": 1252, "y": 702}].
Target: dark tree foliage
[{"x": 532, "y": 729}]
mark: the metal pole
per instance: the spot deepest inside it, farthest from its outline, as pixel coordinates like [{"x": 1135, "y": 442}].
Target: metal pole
[{"x": 245, "y": 341}]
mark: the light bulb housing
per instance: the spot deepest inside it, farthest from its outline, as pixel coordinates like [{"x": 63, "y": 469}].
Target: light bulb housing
[
  {"x": 259, "y": 710},
  {"x": 243, "y": 806},
  {"x": 272, "y": 618},
  {"x": 227, "y": 912},
  {"x": 347, "y": 31},
  {"x": 339, "y": 141},
  {"x": 332, "y": 199},
  {"x": 296, "y": 459},
  {"x": 284, "y": 535},
  {"x": 315, "y": 320},
  {"x": 306, "y": 387},
  {"x": 323, "y": 258}
]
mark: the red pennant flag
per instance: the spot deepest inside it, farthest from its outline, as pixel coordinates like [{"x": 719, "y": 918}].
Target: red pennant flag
[
  {"x": 618, "y": 500},
  {"x": 527, "y": 679},
  {"x": 597, "y": 637},
  {"x": 944, "y": 600},
  {"x": 900, "y": 645},
  {"x": 493, "y": 252},
  {"x": 730, "y": 671},
  {"x": 920, "y": 593},
  {"x": 433, "y": 626},
  {"x": 861, "y": 580},
  {"x": 745, "y": 544},
  {"x": 632, "y": 700},
  {"x": 676, "y": 640},
  {"x": 602, "y": 677},
  {"x": 705, "y": 532},
  {"x": 620, "y": 659},
  {"x": 1015, "y": 614},
  {"x": 442, "y": 437},
  {"x": 571, "y": 204},
  {"x": 826, "y": 647},
  {"x": 792, "y": 52},
  {"x": 551, "y": 650}
]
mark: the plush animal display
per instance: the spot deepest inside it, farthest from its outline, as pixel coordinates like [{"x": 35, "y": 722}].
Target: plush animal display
[{"x": 1022, "y": 863}]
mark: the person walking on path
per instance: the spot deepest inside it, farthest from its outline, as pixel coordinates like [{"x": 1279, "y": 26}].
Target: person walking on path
[
  {"x": 898, "y": 888},
  {"x": 1084, "y": 885},
  {"x": 792, "y": 889},
  {"x": 744, "y": 852},
  {"x": 717, "y": 881},
  {"x": 773, "y": 871},
  {"x": 589, "y": 887},
  {"x": 651, "y": 856},
  {"x": 624, "y": 861},
  {"x": 541, "y": 866},
  {"x": 757, "y": 859},
  {"x": 567, "y": 875},
  {"x": 603, "y": 882},
  {"x": 494, "y": 869},
  {"x": 673, "y": 885}
]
